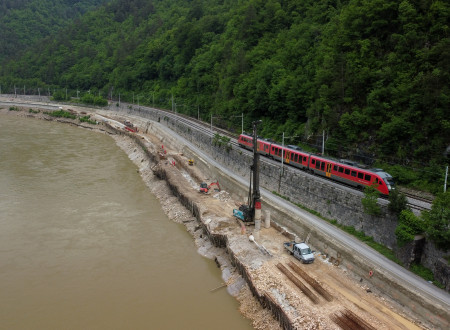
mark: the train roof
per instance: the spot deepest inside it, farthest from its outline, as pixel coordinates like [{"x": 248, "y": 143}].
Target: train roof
[
  {"x": 294, "y": 147},
  {"x": 381, "y": 173}
]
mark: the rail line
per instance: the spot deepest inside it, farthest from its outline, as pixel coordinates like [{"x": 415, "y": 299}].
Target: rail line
[{"x": 414, "y": 201}]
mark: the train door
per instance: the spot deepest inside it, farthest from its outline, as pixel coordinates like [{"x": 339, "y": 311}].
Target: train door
[
  {"x": 287, "y": 156},
  {"x": 328, "y": 171}
]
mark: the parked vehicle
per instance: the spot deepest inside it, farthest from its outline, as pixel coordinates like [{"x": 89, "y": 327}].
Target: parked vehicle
[
  {"x": 343, "y": 171},
  {"x": 301, "y": 251}
]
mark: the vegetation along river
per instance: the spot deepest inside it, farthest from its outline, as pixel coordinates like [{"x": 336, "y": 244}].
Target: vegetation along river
[{"x": 85, "y": 245}]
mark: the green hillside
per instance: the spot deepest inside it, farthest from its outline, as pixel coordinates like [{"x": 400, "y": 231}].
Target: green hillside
[
  {"x": 374, "y": 75},
  {"x": 24, "y": 22}
]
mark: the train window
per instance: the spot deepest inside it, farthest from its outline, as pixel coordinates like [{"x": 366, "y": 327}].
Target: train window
[
  {"x": 322, "y": 166},
  {"x": 313, "y": 161},
  {"x": 360, "y": 175},
  {"x": 354, "y": 173},
  {"x": 367, "y": 177},
  {"x": 335, "y": 167},
  {"x": 347, "y": 171},
  {"x": 304, "y": 158}
]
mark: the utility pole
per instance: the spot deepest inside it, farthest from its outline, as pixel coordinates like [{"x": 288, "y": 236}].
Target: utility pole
[
  {"x": 256, "y": 200},
  {"x": 445, "y": 182},
  {"x": 323, "y": 142},
  {"x": 172, "y": 104},
  {"x": 282, "y": 158}
]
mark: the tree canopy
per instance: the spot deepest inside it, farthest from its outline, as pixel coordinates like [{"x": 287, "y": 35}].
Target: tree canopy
[{"x": 374, "y": 75}]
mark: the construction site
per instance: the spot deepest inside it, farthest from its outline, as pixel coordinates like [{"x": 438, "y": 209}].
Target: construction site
[{"x": 275, "y": 290}]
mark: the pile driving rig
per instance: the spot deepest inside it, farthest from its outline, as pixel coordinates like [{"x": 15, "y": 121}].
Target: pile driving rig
[{"x": 252, "y": 211}]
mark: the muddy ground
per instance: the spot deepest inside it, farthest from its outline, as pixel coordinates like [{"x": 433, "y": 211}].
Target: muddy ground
[{"x": 334, "y": 297}]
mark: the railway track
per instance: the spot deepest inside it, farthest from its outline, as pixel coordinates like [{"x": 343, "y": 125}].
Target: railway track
[
  {"x": 417, "y": 202},
  {"x": 414, "y": 201}
]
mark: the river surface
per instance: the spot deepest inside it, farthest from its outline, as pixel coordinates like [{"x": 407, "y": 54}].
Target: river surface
[{"x": 85, "y": 245}]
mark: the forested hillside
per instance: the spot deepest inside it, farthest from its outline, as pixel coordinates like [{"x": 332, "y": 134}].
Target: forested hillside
[
  {"x": 374, "y": 75},
  {"x": 24, "y": 22}
]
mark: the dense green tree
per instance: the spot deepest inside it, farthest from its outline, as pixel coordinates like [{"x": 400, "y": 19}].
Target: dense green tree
[
  {"x": 25, "y": 22},
  {"x": 438, "y": 221},
  {"x": 397, "y": 202},
  {"x": 369, "y": 201},
  {"x": 374, "y": 75}
]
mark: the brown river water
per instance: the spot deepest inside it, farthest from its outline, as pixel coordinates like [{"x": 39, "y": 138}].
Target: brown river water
[{"x": 85, "y": 245}]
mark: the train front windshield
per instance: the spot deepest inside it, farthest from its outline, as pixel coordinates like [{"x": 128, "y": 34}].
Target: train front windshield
[{"x": 390, "y": 183}]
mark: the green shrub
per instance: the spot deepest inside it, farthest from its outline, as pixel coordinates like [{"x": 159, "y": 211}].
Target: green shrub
[
  {"x": 397, "y": 202},
  {"x": 59, "y": 96},
  {"x": 438, "y": 221},
  {"x": 409, "y": 225},
  {"x": 370, "y": 203},
  {"x": 62, "y": 114},
  {"x": 93, "y": 100},
  {"x": 87, "y": 119}
]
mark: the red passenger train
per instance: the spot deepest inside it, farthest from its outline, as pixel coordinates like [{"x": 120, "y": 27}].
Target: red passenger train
[{"x": 341, "y": 171}]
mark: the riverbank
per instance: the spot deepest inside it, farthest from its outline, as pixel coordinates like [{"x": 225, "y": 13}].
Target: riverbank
[{"x": 253, "y": 274}]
